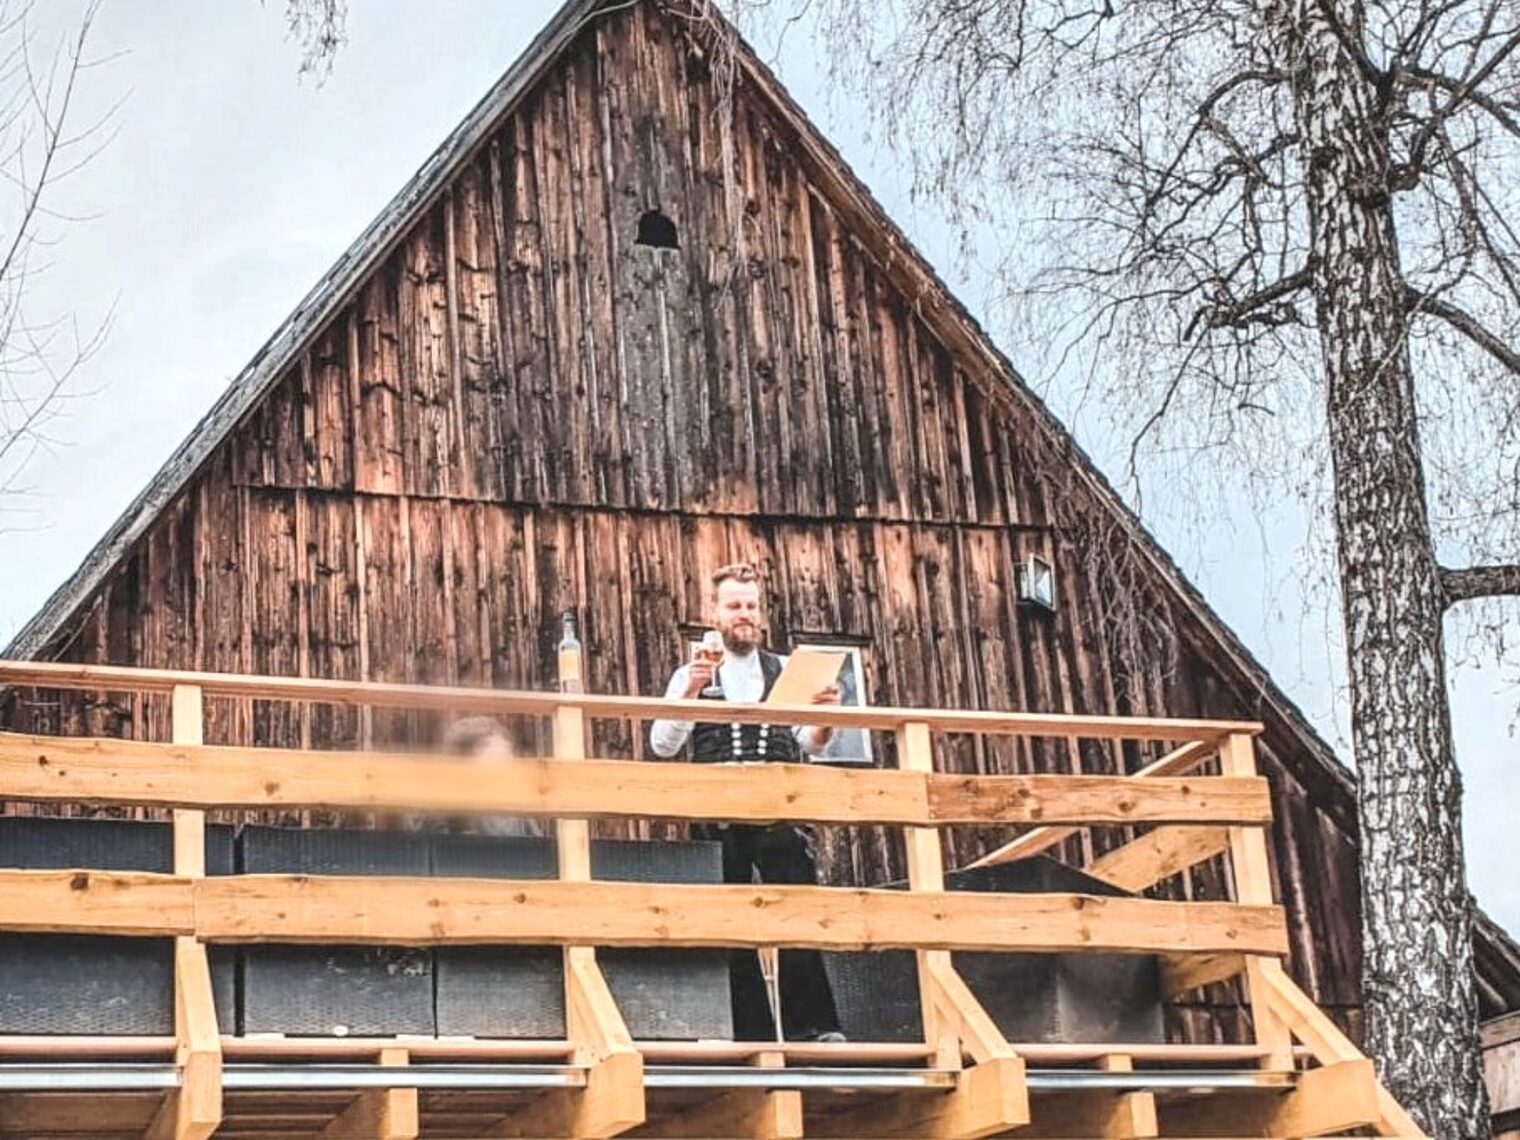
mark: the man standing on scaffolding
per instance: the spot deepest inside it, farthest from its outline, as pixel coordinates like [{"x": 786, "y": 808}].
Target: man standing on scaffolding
[{"x": 742, "y": 671}]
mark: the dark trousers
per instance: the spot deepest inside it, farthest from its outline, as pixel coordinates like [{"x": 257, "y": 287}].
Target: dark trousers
[{"x": 781, "y": 853}]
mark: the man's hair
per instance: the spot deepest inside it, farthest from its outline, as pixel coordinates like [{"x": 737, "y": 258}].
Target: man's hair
[
  {"x": 466, "y": 736},
  {"x": 734, "y": 572}
]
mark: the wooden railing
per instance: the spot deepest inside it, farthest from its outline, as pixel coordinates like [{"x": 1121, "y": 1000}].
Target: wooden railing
[{"x": 1192, "y": 817}]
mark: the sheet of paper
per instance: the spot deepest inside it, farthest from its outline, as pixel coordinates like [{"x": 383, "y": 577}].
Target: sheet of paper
[{"x": 807, "y": 671}]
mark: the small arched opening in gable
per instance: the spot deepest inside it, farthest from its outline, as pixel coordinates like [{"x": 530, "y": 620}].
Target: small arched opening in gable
[{"x": 656, "y": 231}]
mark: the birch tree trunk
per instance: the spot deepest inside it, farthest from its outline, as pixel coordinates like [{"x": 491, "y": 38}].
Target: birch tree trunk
[{"x": 1421, "y": 1005}]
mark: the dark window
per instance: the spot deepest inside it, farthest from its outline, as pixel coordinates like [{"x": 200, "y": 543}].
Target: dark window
[{"x": 657, "y": 232}]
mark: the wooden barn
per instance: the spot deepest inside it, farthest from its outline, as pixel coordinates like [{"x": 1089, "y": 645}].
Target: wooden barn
[{"x": 636, "y": 319}]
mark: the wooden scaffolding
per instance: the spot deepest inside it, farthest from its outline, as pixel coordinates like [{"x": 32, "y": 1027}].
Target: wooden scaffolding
[{"x": 1300, "y": 1076}]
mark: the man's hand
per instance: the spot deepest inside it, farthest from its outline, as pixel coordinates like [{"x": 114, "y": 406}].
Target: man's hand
[
  {"x": 699, "y": 675},
  {"x": 822, "y": 733}
]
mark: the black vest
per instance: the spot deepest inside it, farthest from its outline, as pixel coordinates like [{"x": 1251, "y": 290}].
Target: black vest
[{"x": 713, "y": 743}]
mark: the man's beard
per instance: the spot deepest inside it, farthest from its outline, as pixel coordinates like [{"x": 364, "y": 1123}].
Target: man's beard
[{"x": 741, "y": 639}]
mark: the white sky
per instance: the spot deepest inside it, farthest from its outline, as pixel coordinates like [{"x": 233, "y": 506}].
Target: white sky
[{"x": 230, "y": 187}]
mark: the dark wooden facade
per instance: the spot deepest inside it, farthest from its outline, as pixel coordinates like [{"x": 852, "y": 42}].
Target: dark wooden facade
[{"x": 522, "y": 411}]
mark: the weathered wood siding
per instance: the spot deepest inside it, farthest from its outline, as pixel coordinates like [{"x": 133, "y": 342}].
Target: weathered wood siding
[
  {"x": 1501, "y": 1071},
  {"x": 524, "y": 412}
]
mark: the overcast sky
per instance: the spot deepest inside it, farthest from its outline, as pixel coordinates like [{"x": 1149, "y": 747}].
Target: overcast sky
[{"x": 230, "y": 187}]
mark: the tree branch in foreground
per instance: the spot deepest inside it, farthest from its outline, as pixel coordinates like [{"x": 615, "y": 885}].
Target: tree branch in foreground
[{"x": 1480, "y": 582}]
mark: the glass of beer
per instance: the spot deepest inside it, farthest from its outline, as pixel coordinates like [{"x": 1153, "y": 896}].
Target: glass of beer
[{"x": 711, "y": 651}]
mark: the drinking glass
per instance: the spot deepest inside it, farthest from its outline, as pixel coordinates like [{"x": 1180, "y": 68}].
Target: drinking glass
[{"x": 711, "y": 651}]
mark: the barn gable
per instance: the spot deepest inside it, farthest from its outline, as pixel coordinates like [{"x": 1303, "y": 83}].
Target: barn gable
[{"x": 501, "y": 404}]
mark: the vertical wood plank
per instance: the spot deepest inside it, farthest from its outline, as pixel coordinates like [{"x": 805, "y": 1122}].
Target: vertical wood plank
[
  {"x": 926, "y": 872},
  {"x": 378, "y": 407},
  {"x": 189, "y": 826},
  {"x": 1253, "y": 886}
]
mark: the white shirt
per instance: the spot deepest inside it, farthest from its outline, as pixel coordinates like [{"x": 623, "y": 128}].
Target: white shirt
[{"x": 743, "y": 682}]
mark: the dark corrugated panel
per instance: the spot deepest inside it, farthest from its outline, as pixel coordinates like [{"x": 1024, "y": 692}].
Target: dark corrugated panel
[{"x": 89, "y": 984}]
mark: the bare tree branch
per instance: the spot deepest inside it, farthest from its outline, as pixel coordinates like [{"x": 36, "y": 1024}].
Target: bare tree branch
[
  {"x": 40, "y": 147},
  {"x": 1455, "y": 98},
  {"x": 1265, "y": 306},
  {"x": 1506, "y": 114},
  {"x": 319, "y": 26},
  {"x": 1469, "y": 326},
  {"x": 1481, "y": 582}
]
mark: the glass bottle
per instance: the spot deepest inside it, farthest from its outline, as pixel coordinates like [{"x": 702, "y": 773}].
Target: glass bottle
[{"x": 570, "y": 661}]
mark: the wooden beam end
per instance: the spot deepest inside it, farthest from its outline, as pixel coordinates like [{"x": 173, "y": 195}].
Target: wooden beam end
[
  {"x": 743, "y": 1114},
  {"x": 610, "y": 1103},
  {"x": 993, "y": 1096}
]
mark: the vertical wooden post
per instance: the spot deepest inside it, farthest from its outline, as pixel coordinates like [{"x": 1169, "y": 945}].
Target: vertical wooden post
[
  {"x": 1253, "y": 886},
  {"x": 194, "y": 1110},
  {"x": 384, "y": 1114},
  {"x": 189, "y": 720},
  {"x": 926, "y": 872},
  {"x": 1132, "y": 1114}
]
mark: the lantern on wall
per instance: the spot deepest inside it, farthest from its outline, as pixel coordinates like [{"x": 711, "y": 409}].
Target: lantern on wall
[{"x": 1037, "y": 583}]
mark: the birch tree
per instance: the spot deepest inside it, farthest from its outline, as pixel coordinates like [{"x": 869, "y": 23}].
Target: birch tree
[{"x": 1256, "y": 204}]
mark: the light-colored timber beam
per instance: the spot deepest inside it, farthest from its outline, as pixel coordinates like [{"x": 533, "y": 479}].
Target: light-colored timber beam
[
  {"x": 195, "y": 776},
  {"x": 1094, "y": 1114},
  {"x": 418, "y": 912},
  {"x": 1325, "y": 1101},
  {"x": 742, "y": 1114},
  {"x": 378, "y": 1114},
  {"x": 1393, "y": 1120},
  {"x": 988, "y": 1099},
  {"x": 1181, "y": 974},
  {"x": 926, "y": 872},
  {"x": 433, "y": 911},
  {"x": 1159, "y": 855},
  {"x": 96, "y": 902},
  {"x": 1326, "y": 1041},
  {"x": 612, "y": 1100},
  {"x": 1252, "y": 869},
  {"x": 1177, "y": 762},
  {"x": 116, "y": 678},
  {"x": 957, "y": 1009},
  {"x": 610, "y": 1103},
  {"x": 194, "y": 1110},
  {"x": 1305, "y": 1020}
]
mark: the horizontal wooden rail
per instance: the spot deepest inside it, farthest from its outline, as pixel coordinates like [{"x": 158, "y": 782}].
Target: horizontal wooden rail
[
  {"x": 116, "y": 678},
  {"x": 416, "y": 912},
  {"x": 111, "y": 771},
  {"x": 1178, "y": 762}
]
